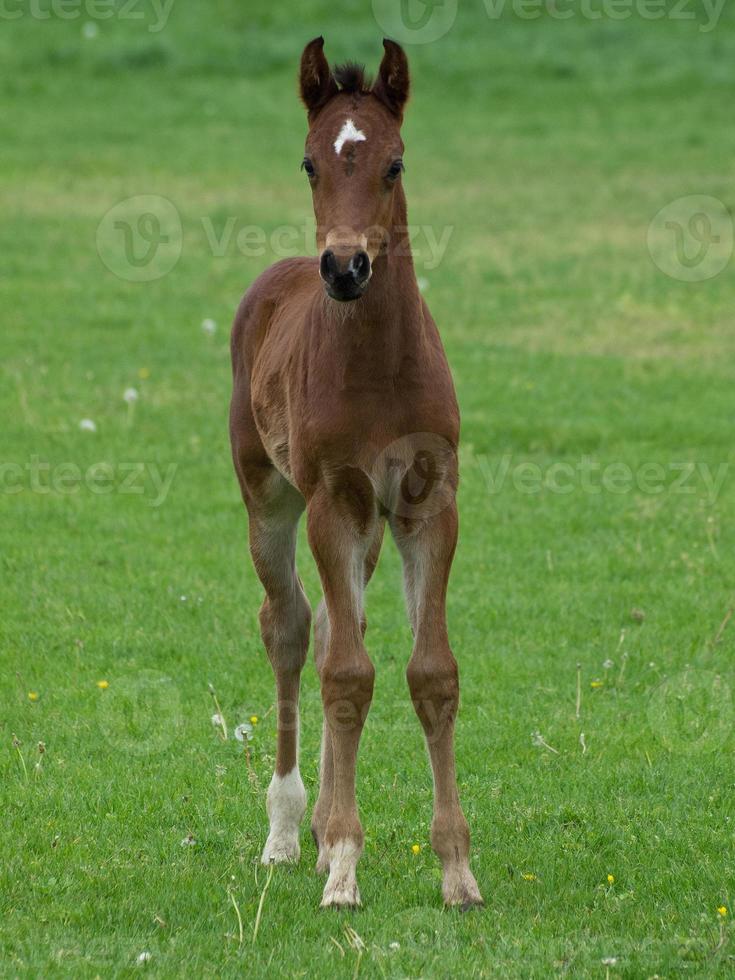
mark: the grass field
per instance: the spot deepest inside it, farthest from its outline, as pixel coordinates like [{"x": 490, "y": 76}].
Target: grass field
[{"x": 597, "y": 503}]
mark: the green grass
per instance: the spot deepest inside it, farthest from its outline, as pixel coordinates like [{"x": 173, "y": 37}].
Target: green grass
[{"x": 548, "y": 146}]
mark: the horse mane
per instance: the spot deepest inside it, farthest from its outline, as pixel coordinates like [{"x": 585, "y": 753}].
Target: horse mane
[{"x": 351, "y": 78}]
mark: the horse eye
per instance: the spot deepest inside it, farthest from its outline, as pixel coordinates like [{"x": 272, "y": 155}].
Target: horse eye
[
  {"x": 395, "y": 169},
  {"x": 308, "y": 166}
]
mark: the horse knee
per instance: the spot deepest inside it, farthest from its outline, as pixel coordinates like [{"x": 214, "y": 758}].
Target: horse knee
[
  {"x": 434, "y": 685},
  {"x": 285, "y": 627},
  {"x": 347, "y": 690},
  {"x": 433, "y": 677}
]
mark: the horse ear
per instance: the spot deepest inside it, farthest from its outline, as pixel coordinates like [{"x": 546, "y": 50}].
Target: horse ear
[
  {"x": 392, "y": 84},
  {"x": 316, "y": 81}
]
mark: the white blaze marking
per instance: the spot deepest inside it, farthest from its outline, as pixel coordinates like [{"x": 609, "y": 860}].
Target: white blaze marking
[{"x": 348, "y": 133}]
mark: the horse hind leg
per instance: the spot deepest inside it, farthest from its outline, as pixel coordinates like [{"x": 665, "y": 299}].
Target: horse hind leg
[
  {"x": 323, "y": 805},
  {"x": 285, "y": 619}
]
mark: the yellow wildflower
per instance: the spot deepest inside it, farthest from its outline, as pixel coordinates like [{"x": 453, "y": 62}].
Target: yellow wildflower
[
  {"x": 103, "y": 685},
  {"x": 529, "y": 876},
  {"x": 33, "y": 695},
  {"x": 596, "y": 684},
  {"x": 415, "y": 848},
  {"x": 611, "y": 879},
  {"x": 253, "y": 719},
  {"x": 722, "y": 911}
]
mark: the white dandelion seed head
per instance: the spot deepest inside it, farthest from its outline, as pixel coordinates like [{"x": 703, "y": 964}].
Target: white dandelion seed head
[
  {"x": 209, "y": 327},
  {"x": 189, "y": 841},
  {"x": 87, "y": 425},
  {"x": 144, "y": 957},
  {"x": 217, "y": 719},
  {"x": 394, "y": 945},
  {"x": 609, "y": 960},
  {"x": 244, "y": 732},
  {"x": 130, "y": 395},
  {"x": 608, "y": 664},
  {"x": 537, "y": 738}
]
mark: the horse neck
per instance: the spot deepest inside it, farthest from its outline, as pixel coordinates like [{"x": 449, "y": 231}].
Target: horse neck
[{"x": 374, "y": 334}]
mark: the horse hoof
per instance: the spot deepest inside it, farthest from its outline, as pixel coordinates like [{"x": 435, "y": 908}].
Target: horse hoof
[
  {"x": 281, "y": 850},
  {"x": 472, "y": 904},
  {"x": 460, "y": 889},
  {"x": 341, "y": 896}
]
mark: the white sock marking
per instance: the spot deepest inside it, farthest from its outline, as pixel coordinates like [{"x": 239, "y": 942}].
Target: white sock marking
[
  {"x": 341, "y": 887},
  {"x": 348, "y": 133},
  {"x": 286, "y": 803}
]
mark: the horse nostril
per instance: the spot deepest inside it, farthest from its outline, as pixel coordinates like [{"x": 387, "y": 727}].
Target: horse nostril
[
  {"x": 360, "y": 266},
  {"x": 328, "y": 266}
]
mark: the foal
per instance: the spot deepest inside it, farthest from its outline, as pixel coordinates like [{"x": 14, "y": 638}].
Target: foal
[{"x": 343, "y": 405}]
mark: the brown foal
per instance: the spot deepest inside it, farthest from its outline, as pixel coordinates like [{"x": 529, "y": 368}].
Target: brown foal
[{"x": 343, "y": 405}]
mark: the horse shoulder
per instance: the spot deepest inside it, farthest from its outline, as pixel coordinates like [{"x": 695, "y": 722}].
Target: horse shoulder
[{"x": 285, "y": 284}]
